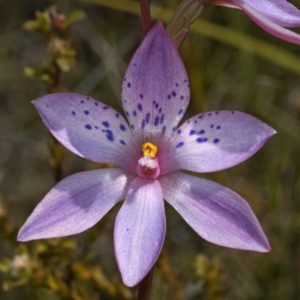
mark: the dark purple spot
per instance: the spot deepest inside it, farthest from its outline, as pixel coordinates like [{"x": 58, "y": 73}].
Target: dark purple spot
[
  {"x": 169, "y": 96},
  {"x": 109, "y": 135},
  {"x": 87, "y": 126},
  {"x": 216, "y": 140},
  {"x": 134, "y": 64},
  {"x": 105, "y": 107},
  {"x": 106, "y": 124},
  {"x": 154, "y": 102},
  {"x": 156, "y": 105},
  {"x": 134, "y": 113},
  {"x": 216, "y": 112},
  {"x": 132, "y": 126},
  {"x": 195, "y": 121},
  {"x": 232, "y": 112},
  {"x": 96, "y": 103},
  {"x": 86, "y": 112},
  {"x": 117, "y": 115},
  {"x": 162, "y": 118},
  {"x": 174, "y": 94},
  {"x": 180, "y": 111},
  {"x": 192, "y": 132},
  {"x": 179, "y": 131},
  {"x": 177, "y": 84},
  {"x": 200, "y": 117},
  {"x": 127, "y": 113},
  {"x": 148, "y": 117},
  {"x": 209, "y": 114},
  {"x": 181, "y": 98},
  {"x": 201, "y": 132},
  {"x": 96, "y": 127},
  {"x": 88, "y": 98},
  {"x": 73, "y": 113},
  {"x": 122, "y": 127},
  {"x": 141, "y": 96},
  {"x": 163, "y": 131},
  {"x": 128, "y": 84},
  {"x": 174, "y": 128},
  {"x": 143, "y": 124},
  {"x": 140, "y": 107},
  {"x": 160, "y": 110},
  {"x": 122, "y": 142},
  {"x": 201, "y": 140},
  {"x": 185, "y": 80},
  {"x": 218, "y": 127},
  {"x": 156, "y": 121},
  {"x": 47, "y": 105},
  {"x": 81, "y": 101},
  {"x": 180, "y": 144},
  {"x": 212, "y": 126}
]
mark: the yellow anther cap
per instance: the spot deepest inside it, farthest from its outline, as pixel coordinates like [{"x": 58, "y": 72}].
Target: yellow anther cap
[{"x": 149, "y": 149}]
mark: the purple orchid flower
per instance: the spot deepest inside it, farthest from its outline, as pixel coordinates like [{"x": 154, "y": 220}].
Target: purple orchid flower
[
  {"x": 149, "y": 153},
  {"x": 271, "y": 15}
]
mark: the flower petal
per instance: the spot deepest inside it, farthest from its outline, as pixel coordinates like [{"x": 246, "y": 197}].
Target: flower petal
[
  {"x": 213, "y": 141},
  {"x": 155, "y": 89},
  {"x": 280, "y": 12},
  {"x": 76, "y": 203},
  {"x": 89, "y": 128},
  {"x": 216, "y": 213},
  {"x": 140, "y": 230},
  {"x": 270, "y": 26},
  {"x": 272, "y": 16}
]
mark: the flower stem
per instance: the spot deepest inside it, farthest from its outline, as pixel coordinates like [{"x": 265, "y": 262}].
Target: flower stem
[
  {"x": 146, "y": 15},
  {"x": 145, "y": 286}
]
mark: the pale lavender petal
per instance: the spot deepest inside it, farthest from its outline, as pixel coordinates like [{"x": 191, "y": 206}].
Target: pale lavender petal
[
  {"x": 140, "y": 230},
  {"x": 155, "y": 89},
  {"x": 89, "y": 128},
  {"x": 269, "y": 25},
  {"x": 280, "y": 12},
  {"x": 272, "y": 16},
  {"x": 76, "y": 203},
  {"x": 215, "y": 212},
  {"x": 213, "y": 141}
]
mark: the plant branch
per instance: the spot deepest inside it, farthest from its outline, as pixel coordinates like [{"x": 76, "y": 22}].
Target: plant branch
[{"x": 146, "y": 15}]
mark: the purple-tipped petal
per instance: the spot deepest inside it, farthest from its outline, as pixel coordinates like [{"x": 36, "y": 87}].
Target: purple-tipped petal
[
  {"x": 89, "y": 128},
  {"x": 213, "y": 141},
  {"x": 216, "y": 213},
  {"x": 155, "y": 89},
  {"x": 140, "y": 230},
  {"x": 272, "y": 16},
  {"x": 76, "y": 204}
]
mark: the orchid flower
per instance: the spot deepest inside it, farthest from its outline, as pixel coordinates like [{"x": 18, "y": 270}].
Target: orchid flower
[
  {"x": 271, "y": 15},
  {"x": 150, "y": 153}
]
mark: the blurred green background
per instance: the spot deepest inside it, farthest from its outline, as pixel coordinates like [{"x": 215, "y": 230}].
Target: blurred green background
[{"x": 232, "y": 64}]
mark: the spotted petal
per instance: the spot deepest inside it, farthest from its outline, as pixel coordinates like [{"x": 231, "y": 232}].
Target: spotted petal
[
  {"x": 155, "y": 89},
  {"x": 272, "y": 16},
  {"x": 140, "y": 230},
  {"x": 89, "y": 128},
  {"x": 76, "y": 203},
  {"x": 216, "y": 213},
  {"x": 213, "y": 141}
]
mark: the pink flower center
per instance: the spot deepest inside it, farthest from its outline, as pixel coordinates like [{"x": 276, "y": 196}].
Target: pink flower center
[{"x": 148, "y": 163}]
